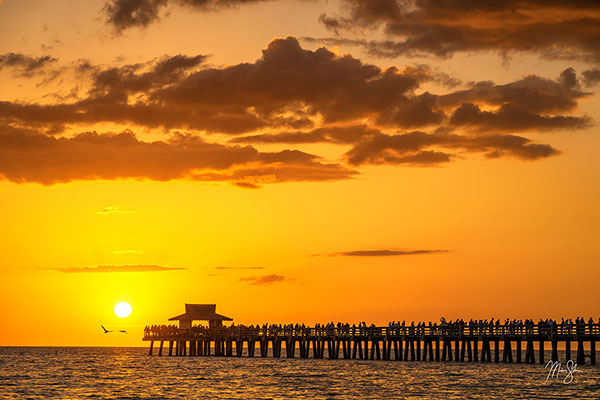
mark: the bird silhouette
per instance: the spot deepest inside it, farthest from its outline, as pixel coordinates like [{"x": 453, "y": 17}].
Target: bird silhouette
[{"x": 107, "y": 331}]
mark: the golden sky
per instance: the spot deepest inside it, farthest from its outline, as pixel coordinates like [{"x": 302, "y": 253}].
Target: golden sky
[{"x": 295, "y": 161}]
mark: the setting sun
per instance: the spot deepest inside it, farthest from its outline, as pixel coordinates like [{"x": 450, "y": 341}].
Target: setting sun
[{"x": 122, "y": 310}]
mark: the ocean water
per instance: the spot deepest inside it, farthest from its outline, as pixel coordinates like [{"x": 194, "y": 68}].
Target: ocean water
[{"x": 129, "y": 373}]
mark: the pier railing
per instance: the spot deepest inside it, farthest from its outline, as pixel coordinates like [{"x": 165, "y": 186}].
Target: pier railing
[{"x": 172, "y": 333}]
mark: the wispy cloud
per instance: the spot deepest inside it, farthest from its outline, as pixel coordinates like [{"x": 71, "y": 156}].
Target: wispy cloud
[
  {"x": 114, "y": 210},
  {"x": 239, "y": 267},
  {"x": 382, "y": 253},
  {"x": 118, "y": 268},
  {"x": 265, "y": 279}
]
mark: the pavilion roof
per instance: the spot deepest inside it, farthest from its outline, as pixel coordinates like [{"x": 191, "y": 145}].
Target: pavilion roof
[{"x": 200, "y": 312}]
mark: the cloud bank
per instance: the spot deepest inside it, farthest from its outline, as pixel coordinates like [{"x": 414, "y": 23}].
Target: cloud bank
[
  {"x": 289, "y": 96},
  {"x": 556, "y": 29}
]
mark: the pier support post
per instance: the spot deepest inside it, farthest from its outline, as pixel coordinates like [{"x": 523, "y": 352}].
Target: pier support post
[
  {"x": 580, "y": 353},
  {"x": 541, "y": 352},
  {"x": 475, "y": 349},
  {"x": 568, "y": 349},
  {"x": 151, "y": 345},
  {"x": 507, "y": 354},
  {"x": 264, "y": 347},
  {"x": 290, "y": 348},
  {"x": 519, "y": 350},
  {"x": 375, "y": 349},
  {"x": 529, "y": 353},
  {"x": 554, "y": 350},
  {"x": 437, "y": 349},
  {"x": 456, "y": 349},
  {"x": 593, "y": 351},
  {"x": 469, "y": 351},
  {"x": 400, "y": 353},
  {"x": 160, "y": 349},
  {"x": 170, "y": 348}
]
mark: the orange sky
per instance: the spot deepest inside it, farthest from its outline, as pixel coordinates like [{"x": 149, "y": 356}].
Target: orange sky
[{"x": 281, "y": 158}]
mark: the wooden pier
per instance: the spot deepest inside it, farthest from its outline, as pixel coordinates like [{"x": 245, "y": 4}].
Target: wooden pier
[{"x": 475, "y": 343}]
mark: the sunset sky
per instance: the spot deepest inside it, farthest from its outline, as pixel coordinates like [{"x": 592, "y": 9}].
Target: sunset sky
[{"x": 296, "y": 161}]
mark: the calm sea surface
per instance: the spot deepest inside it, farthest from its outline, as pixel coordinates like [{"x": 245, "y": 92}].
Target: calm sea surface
[{"x": 128, "y": 373}]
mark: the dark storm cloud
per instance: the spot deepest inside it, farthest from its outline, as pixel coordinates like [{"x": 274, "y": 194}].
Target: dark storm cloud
[
  {"x": 553, "y": 29},
  {"x": 89, "y": 156},
  {"x": 124, "y": 14},
  {"x": 385, "y": 253},
  {"x": 118, "y": 268},
  {"x": 24, "y": 65},
  {"x": 421, "y": 149},
  {"x": 264, "y": 280}
]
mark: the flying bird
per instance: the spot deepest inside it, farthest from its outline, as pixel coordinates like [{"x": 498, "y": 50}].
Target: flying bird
[{"x": 107, "y": 331}]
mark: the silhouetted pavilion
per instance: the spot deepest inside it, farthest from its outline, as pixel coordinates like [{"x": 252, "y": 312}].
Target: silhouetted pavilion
[{"x": 200, "y": 312}]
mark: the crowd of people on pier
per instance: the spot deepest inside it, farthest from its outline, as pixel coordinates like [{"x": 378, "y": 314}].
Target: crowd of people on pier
[{"x": 444, "y": 327}]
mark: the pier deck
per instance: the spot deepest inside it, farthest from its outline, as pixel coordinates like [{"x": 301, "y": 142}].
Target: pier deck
[{"x": 403, "y": 343}]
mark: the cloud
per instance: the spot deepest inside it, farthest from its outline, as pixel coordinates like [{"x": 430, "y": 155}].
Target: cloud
[
  {"x": 513, "y": 118},
  {"x": 289, "y": 96},
  {"x": 418, "y": 148},
  {"x": 113, "y": 210},
  {"x": 558, "y": 29},
  {"x": 385, "y": 253},
  {"x": 118, "y": 268},
  {"x": 222, "y": 268},
  {"x": 591, "y": 76},
  {"x": 534, "y": 93},
  {"x": 287, "y": 86},
  {"x": 132, "y": 78},
  {"x": 289, "y": 90},
  {"x": 264, "y": 280},
  {"x": 331, "y": 134},
  {"x": 124, "y": 14},
  {"x": 89, "y": 156},
  {"x": 24, "y": 65},
  {"x": 290, "y": 87}
]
